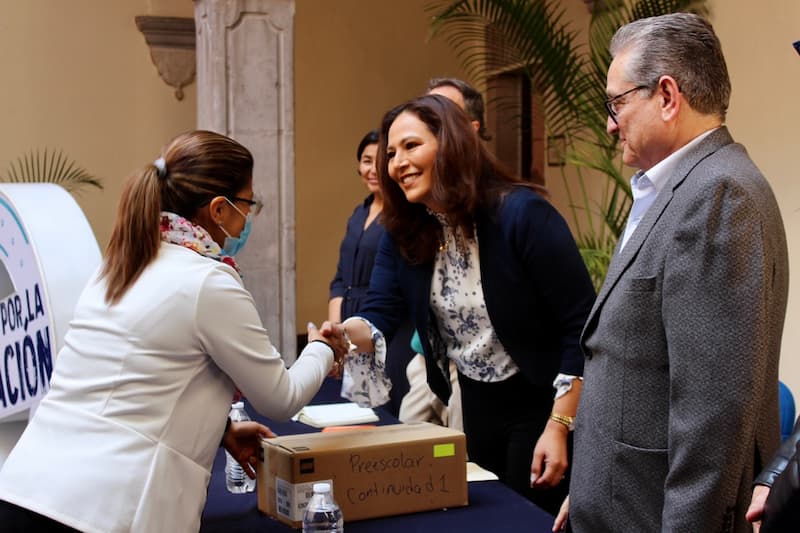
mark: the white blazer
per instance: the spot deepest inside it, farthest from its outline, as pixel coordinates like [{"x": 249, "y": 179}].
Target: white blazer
[{"x": 126, "y": 436}]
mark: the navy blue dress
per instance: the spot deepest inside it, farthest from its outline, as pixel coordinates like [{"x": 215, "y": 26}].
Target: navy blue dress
[{"x": 356, "y": 258}]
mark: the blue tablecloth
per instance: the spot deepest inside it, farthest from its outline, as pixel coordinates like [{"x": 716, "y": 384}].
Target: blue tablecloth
[{"x": 492, "y": 506}]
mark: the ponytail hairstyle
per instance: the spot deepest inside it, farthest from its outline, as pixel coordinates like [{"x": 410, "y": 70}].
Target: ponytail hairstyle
[{"x": 194, "y": 168}]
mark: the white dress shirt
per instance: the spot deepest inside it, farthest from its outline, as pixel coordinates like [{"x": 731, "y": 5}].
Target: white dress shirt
[{"x": 645, "y": 185}]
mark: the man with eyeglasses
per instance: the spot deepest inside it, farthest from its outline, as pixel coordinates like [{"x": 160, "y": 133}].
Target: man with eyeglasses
[{"x": 679, "y": 407}]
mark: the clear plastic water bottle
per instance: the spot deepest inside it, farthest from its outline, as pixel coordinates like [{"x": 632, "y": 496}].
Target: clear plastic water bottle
[
  {"x": 322, "y": 513},
  {"x": 236, "y": 479}
]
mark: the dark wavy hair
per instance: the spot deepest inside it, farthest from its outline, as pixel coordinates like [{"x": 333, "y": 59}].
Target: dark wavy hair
[{"x": 465, "y": 178}]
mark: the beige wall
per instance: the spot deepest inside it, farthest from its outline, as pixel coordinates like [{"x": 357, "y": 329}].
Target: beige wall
[
  {"x": 764, "y": 115},
  {"x": 77, "y": 76},
  {"x": 354, "y": 59}
]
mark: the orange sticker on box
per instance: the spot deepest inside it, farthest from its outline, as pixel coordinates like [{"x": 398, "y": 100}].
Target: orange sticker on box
[{"x": 444, "y": 450}]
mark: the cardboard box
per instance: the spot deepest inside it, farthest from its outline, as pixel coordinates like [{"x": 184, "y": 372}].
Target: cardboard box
[{"x": 381, "y": 471}]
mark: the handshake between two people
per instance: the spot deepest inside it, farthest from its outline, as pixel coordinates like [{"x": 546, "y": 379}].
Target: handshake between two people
[
  {"x": 334, "y": 335},
  {"x": 242, "y": 439}
]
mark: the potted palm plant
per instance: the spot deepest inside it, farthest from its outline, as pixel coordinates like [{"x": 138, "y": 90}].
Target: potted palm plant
[
  {"x": 50, "y": 167},
  {"x": 536, "y": 38}
]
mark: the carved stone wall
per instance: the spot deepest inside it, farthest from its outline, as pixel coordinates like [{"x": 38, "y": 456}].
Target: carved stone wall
[{"x": 245, "y": 90}]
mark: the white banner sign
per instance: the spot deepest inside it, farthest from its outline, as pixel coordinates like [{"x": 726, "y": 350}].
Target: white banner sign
[
  {"x": 26, "y": 333},
  {"x": 47, "y": 254}
]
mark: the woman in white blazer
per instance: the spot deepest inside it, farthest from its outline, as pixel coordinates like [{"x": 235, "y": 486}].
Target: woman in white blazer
[{"x": 126, "y": 437}]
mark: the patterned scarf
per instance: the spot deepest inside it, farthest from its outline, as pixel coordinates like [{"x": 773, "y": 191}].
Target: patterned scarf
[{"x": 175, "y": 229}]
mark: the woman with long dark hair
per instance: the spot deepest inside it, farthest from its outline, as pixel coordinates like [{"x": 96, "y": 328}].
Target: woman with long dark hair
[{"x": 493, "y": 280}]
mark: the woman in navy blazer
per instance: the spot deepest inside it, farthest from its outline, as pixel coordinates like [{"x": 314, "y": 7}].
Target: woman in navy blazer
[{"x": 492, "y": 279}]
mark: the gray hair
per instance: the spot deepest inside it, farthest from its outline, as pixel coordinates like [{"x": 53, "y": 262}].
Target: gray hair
[{"x": 683, "y": 46}]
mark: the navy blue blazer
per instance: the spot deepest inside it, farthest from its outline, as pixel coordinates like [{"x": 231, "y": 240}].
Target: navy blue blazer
[{"x": 538, "y": 293}]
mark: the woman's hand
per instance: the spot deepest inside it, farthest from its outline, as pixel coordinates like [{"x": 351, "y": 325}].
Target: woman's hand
[
  {"x": 561, "y": 519},
  {"x": 328, "y": 335},
  {"x": 550, "y": 456},
  {"x": 243, "y": 440},
  {"x": 756, "y": 510},
  {"x": 354, "y": 334}
]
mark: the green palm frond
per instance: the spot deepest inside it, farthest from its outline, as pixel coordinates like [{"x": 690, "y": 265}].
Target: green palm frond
[
  {"x": 596, "y": 254},
  {"x": 50, "y": 167},
  {"x": 528, "y": 34},
  {"x": 535, "y": 37}
]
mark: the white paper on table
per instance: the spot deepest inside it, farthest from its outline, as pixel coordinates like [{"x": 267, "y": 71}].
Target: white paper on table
[
  {"x": 478, "y": 473},
  {"x": 335, "y": 414}
]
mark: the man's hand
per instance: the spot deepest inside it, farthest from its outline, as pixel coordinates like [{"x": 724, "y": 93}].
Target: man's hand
[{"x": 560, "y": 523}]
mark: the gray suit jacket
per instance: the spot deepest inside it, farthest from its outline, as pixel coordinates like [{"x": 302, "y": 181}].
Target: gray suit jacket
[{"x": 679, "y": 408}]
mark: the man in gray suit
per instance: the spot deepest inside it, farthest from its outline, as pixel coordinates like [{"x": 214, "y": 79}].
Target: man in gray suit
[{"x": 679, "y": 408}]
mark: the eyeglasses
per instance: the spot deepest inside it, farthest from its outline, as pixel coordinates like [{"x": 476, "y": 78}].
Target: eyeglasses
[
  {"x": 255, "y": 205},
  {"x": 612, "y": 104}
]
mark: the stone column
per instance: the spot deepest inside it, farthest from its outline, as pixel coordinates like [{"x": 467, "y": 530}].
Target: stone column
[{"x": 245, "y": 89}]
